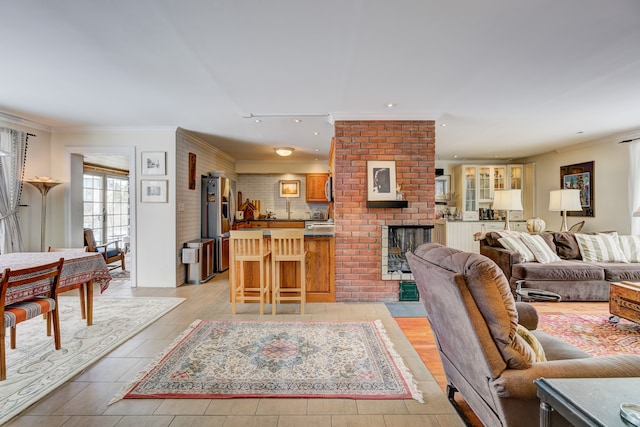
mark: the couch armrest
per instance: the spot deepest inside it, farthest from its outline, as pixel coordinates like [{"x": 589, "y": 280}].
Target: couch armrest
[
  {"x": 504, "y": 258},
  {"x": 518, "y": 383}
]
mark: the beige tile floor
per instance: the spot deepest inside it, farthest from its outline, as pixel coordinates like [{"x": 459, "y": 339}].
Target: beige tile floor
[{"x": 83, "y": 400}]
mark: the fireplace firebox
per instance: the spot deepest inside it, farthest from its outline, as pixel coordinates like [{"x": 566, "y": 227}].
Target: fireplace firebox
[{"x": 397, "y": 240}]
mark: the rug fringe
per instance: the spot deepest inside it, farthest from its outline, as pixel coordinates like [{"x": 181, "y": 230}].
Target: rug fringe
[
  {"x": 155, "y": 362},
  {"x": 416, "y": 393}
]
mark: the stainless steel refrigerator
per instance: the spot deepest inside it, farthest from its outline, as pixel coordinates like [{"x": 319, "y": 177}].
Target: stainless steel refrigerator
[{"x": 218, "y": 207}]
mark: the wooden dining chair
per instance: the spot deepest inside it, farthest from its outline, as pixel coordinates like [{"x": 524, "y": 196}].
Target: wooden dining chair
[
  {"x": 43, "y": 280},
  {"x": 79, "y": 286}
]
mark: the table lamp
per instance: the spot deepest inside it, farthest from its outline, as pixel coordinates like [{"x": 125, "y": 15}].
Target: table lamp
[
  {"x": 43, "y": 184},
  {"x": 507, "y": 200},
  {"x": 565, "y": 200}
]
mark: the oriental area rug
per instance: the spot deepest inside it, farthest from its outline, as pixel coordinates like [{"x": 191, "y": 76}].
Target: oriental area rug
[
  {"x": 35, "y": 368},
  {"x": 594, "y": 334},
  {"x": 238, "y": 359}
]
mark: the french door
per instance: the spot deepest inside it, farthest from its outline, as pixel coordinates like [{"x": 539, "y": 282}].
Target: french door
[{"x": 106, "y": 206}]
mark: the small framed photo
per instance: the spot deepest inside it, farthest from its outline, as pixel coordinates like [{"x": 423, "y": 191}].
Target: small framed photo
[
  {"x": 290, "y": 188},
  {"x": 154, "y": 191},
  {"x": 381, "y": 180},
  {"x": 154, "y": 163}
]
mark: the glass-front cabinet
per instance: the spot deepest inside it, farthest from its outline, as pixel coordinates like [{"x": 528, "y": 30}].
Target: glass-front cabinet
[{"x": 478, "y": 183}]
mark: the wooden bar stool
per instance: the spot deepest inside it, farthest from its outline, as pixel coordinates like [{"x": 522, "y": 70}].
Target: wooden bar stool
[
  {"x": 287, "y": 245},
  {"x": 248, "y": 247}
]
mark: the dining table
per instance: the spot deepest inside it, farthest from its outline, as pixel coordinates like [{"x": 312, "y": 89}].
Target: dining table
[{"x": 80, "y": 269}]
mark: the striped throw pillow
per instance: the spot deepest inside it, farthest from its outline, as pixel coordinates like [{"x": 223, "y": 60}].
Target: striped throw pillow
[
  {"x": 600, "y": 248},
  {"x": 517, "y": 245},
  {"x": 630, "y": 246},
  {"x": 541, "y": 251}
]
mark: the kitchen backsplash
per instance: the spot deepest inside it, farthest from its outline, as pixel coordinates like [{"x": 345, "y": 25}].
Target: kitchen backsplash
[{"x": 266, "y": 188}]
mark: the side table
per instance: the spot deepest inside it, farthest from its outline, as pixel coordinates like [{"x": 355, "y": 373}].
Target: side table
[{"x": 586, "y": 401}]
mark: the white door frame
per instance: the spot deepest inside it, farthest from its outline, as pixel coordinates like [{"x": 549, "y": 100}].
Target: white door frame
[{"x": 71, "y": 225}]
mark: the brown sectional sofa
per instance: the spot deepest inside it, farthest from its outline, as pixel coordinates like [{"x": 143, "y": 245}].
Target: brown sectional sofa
[{"x": 571, "y": 278}]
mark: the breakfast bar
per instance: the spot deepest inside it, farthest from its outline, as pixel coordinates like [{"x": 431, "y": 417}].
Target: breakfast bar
[{"x": 319, "y": 243}]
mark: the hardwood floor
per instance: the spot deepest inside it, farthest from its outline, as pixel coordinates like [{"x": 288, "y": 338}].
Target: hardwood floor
[{"x": 419, "y": 334}]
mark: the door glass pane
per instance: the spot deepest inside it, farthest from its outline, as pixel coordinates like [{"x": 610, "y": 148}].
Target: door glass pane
[{"x": 106, "y": 207}]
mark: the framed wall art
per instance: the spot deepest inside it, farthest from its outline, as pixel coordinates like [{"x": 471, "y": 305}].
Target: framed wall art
[
  {"x": 154, "y": 163},
  {"x": 289, "y": 188},
  {"x": 580, "y": 176},
  {"x": 443, "y": 188},
  {"x": 154, "y": 191},
  {"x": 381, "y": 180},
  {"x": 192, "y": 171}
]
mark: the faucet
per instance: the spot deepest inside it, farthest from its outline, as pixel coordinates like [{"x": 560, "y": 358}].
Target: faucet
[{"x": 288, "y": 208}]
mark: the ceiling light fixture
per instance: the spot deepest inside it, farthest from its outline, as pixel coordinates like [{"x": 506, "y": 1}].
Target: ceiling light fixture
[
  {"x": 284, "y": 151},
  {"x": 297, "y": 120},
  {"x": 390, "y": 105}
]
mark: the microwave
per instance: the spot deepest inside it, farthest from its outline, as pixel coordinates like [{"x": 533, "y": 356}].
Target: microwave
[{"x": 328, "y": 189}]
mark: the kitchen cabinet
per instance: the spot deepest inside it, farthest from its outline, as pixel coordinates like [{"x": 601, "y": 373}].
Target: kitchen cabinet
[
  {"x": 315, "y": 187},
  {"x": 459, "y": 234},
  {"x": 476, "y": 185}
]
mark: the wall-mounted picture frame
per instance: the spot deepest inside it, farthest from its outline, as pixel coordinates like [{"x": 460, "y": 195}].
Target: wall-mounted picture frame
[
  {"x": 381, "y": 180},
  {"x": 290, "y": 188},
  {"x": 154, "y": 163},
  {"x": 443, "y": 188},
  {"x": 154, "y": 191},
  {"x": 580, "y": 176},
  {"x": 192, "y": 171}
]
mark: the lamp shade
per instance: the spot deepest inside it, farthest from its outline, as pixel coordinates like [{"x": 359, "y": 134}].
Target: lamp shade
[
  {"x": 507, "y": 200},
  {"x": 565, "y": 200},
  {"x": 637, "y": 212}
]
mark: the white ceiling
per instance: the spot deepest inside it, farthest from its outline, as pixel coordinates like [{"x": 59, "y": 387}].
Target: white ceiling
[{"x": 509, "y": 78}]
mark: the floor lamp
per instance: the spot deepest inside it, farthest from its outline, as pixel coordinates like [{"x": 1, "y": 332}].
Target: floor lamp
[
  {"x": 43, "y": 184},
  {"x": 507, "y": 200},
  {"x": 565, "y": 200}
]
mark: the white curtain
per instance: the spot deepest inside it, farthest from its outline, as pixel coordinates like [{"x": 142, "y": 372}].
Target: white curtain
[
  {"x": 11, "y": 174},
  {"x": 634, "y": 185}
]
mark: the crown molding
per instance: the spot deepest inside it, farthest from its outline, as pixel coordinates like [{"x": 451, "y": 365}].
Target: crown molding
[
  {"x": 115, "y": 129},
  {"x": 333, "y": 117},
  {"x": 10, "y": 118}
]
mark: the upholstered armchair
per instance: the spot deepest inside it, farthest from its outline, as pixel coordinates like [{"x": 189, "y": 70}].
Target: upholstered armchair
[
  {"x": 475, "y": 320},
  {"x": 110, "y": 251}
]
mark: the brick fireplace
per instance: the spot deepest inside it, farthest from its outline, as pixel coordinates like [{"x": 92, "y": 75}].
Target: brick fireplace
[{"x": 359, "y": 229}]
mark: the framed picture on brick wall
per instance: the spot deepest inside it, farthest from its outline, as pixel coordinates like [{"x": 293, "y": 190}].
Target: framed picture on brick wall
[{"x": 381, "y": 180}]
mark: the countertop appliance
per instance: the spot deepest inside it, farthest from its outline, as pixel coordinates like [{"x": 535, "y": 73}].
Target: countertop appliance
[{"x": 218, "y": 208}]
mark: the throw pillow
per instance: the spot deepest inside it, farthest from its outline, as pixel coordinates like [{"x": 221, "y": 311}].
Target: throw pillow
[
  {"x": 630, "y": 246},
  {"x": 600, "y": 248},
  {"x": 541, "y": 251},
  {"x": 517, "y": 245},
  {"x": 533, "y": 342},
  {"x": 566, "y": 245}
]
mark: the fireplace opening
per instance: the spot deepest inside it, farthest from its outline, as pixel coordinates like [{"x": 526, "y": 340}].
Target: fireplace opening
[{"x": 396, "y": 242}]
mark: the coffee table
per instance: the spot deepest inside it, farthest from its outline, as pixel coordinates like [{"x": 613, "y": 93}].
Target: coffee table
[
  {"x": 586, "y": 401},
  {"x": 624, "y": 301}
]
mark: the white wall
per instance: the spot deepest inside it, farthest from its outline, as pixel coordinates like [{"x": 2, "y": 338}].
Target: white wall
[
  {"x": 155, "y": 223},
  {"x": 610, "y": 181}
]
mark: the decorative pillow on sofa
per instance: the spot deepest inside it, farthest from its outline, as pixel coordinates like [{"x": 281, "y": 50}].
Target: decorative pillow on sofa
[
  {"x": 630, "y": 246},
  {"x": 566, "y": 245},
  {"x": 533, "y": 342},
  {"x": 517, "y": 245},
  {"x": 600, "y": 248},
  {"x": 540, "y": 249}
]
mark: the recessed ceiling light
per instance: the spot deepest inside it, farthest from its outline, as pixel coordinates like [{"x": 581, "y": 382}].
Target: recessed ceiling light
[
  {"x": 258, "y": 121},
  {"x": 443, "y": 124},
  {"x": 580, "y": 131},
  {"x": 455, "y": 156},
  {"x": 284, "y": 151},
  {"x": 390, "y": 105},
  {"x": 316, "y": 150},
  {"x": 297, "y": 120},
  {"x": 316, "y": 133}
]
